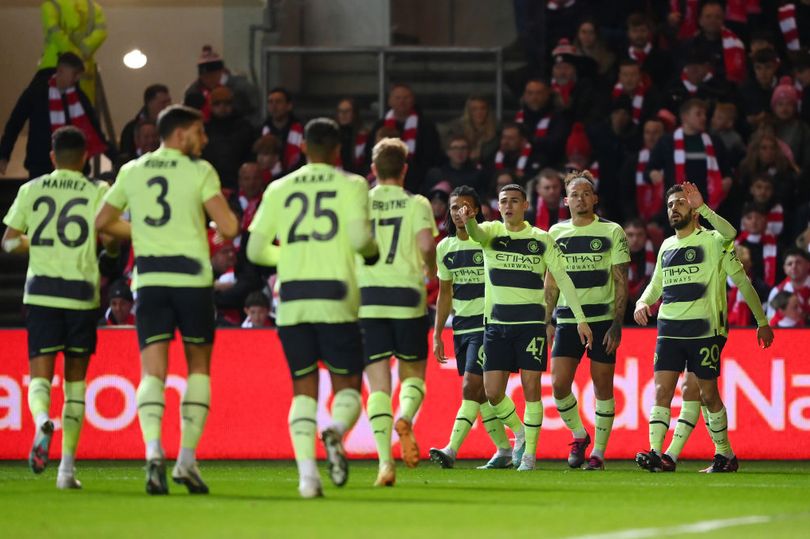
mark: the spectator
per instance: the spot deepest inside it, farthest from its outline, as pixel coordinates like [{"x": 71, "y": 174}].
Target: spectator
[
  {"x": 501, "y": 178},
  {"x": 155, "y": 98},
  {"x": 515, "y": 152},
  {"x": 119, "y": 313},
  {"x": 459, "y": 169},
  {"x": 644, "y": 98},
  {"x": 755, "y": 93},
  {"x": 762, "y": 245},
  {"x": 212, "y": 73},
  {"x": 788, "y": 311},
  {"x": 766, "y": 155},
  {"x": 590, "y": 45},
  {"x": 562, "y": 17},
  {"x": 738, "y": 312},
  {"x": 642, "y": 196},
  {"x": 655, "y": 63},
  {"x": 691, "y": 153},
  {"x": 439, "y": 197},
  {"x": 726, "y": 51},
  {"x": 546, "y": 203},
  {"x": 548, "y": 128},
  {"x": 722, "y": 127},
  {"x": 801, "y": 72},
  {"x": 477, "y": 125},
  {"x": 698, "y": 81},
  {"x": 146, "y": 139},
  {"x": 234, "y": 279},
  {"x": 246, "y": 200},
  {"x": 788, "y": 126},
  {"x": 796, "y": 266},
  {"x": 230, "y": 138},
  {"x": 282, "y": 123},
  {"x": 575, "y": 94},
  {"x": 51, "y": 101},
  {"x": 353, "y": 137},
  {"x": 257, "y": 311},
  {"x": 417, "y": 132},
  {"x": 268, "y": 153},
  {"x": 642, "y": 261},
  {"x": 762, "y": 193}
]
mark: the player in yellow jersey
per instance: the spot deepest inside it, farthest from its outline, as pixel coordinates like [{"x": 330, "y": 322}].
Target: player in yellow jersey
[
  {"x": 393, "y": 311},
  {"x": 52, "y": 220},
  {"x": 168, "y": 193},
  {"x": 597, "y": 258},
  {"x": 690, "y": 274},
  {"x": 319, "y": 214}
]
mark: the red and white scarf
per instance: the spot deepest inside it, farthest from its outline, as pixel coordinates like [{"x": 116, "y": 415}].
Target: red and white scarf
[
  {"x": 563, "y": 90},
  {"x": 714, "y": 179},
  {"x": 77, "y": 115},
  {"x": 520, "y": 167},
  {"x": 802, "y": 292},
  {"x": 776, "y": 220},
  {"x": 649, "y": 262},
  {"x": 542, "y": 216},
  {"x": 787, "y": 23},
  {"x": 649, "y": 197},
  {"x": 541, "y": 129},
  {"x": 691, "y": 88},
  {"x": 359, "y": 153},
  {"x": 554, "y": 5},
  {"x": 638, "y": 99},
  {"x": 733, "y": 56},
  {"x": 768, "y": 242},
  {"x": 738, "y": 10},
  {"x": 639, "y": 55},
  {"x": 689, "y": 17},
  {"x": 249, "y": 207},
  {"x": 409, "y": 131},
  {"x": 292, "y": 148}
]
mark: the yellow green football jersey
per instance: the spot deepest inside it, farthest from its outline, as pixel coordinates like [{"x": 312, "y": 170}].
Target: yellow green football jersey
[{"x": 462, "y": 262}]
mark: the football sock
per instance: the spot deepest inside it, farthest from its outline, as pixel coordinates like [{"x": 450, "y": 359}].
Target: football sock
[
  {"x": 690, "y": 412},
  {"x": 718, "y": 429},
  {"x": 603, "y": 421},
  {"x": 39, "y": 400},
  {"x": 72, "y": 419},
  {"x": 151, "y": 402},
  {"x": 411, "y": 393},
  {"x": 194, "y": 412},
  {"x": 494, "y": 427},
  {"x": 507, "y": 414},
  {"x": 381, "y": 417},
  {"x": 659, "y": 425},
  {"x": 465, "y": 419},
  {"x": 569, "y": 412},
  {"x": 704, "y": 411},
  {"x": 532, "y": 421},
  {"x": 303, "y": 427},
  {"x": 346, "y": 408}
]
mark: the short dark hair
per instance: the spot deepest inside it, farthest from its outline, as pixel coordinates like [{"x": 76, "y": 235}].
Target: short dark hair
[
  {"x": 70, "y": 59},
  {"x": 780, "y": 300},
  {"x": 636, "y": 222},
  {"x": 692, "y": 103},
  {"x": 257, "y": 299},
  {"x": 672, "y": 190},
  {"x": 281, "y": 90},
  {"x": 322, "y": 135},
  {"x": 627, "y": 61},
  {"x": 795, "y": 251},
  {"x": 754, "y": 207},
  {"x": 514, "y": 187},
  {"x": 69, "y": 145},
  {"x": 514, "y": 125},
  {"x": 152, "y": 91},
  {"x": 141, "y": 124},
  {"x": 765, "y": 56},
  {"x": 176, "y": 117},
  {"x": 464, "y": 191},
  {"x": 763, "y": 177},
  {"x": 637, "y": 19}
]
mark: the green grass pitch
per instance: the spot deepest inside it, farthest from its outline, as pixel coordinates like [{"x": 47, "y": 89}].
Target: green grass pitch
[{"x": 259, "y": 499}]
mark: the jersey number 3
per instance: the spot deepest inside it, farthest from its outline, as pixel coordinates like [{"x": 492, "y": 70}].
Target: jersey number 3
[
  {"x": 318, "y": 213},
  {"x": 166, "y": 214}
]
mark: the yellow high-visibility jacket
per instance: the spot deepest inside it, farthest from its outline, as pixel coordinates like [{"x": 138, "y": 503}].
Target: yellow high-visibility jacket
[{"x": 76, "y": 26}]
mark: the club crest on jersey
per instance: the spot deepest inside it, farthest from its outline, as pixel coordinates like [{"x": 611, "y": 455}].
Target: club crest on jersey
[
  {"x": 596, "y": 244},
  {"x": 690, "y": 255},
  {"x": 533, "y": 246},
  {"x": 478, "y": 258}
]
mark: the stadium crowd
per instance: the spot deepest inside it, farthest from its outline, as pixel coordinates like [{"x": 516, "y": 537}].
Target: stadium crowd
[{"x": 713, "y": 92}]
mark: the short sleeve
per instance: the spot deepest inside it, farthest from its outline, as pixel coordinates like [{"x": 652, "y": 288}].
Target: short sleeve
[
  {"x": 442, "y": 271},
  {"x": 17, "y": 216},
  {"x": 423, "y": 216},
  {"x": 620, "y": 253},
  {"x": 210, "y": 183},
  {"x": 117, "y": 196}
]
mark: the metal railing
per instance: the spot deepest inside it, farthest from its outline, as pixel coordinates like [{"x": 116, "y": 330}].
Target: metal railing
[{"x": 382, "y": 54}]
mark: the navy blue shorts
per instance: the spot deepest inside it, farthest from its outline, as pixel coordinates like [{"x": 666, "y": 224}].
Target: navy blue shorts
[
  {"x": 338, "y": 346},
  {"x": 700, "y": 356},
  {"x": 160, "y": 310},
  {"x": 469, "y": 353},
  {"x": 52, "y": 330},
  {"x": 567, "y": 343},
  {"x": 515, "y": 347},
  {"x": 404, "y": 338}
]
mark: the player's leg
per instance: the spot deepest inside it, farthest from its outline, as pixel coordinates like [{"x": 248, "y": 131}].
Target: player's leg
[
  {"x": 687, "y": 419},
  {"x": 341, "y": 349},
  {"x": 411, "y": 349},
  {"x": 474, "y": 388},
  {"x": 46, "y": 337},
  {"x": 706, "y": 366},
  {"x": 499, "y": 363},
  {"x": 565, "y": 357},
  {"x": 378, "y": 347},
  {"x": 529, "y": 347},
  {"x": 603, "y": 368},
  {"x": 300, "y": 346}
]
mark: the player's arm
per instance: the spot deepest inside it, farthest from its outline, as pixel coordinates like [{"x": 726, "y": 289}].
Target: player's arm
[
  {"x": 444, "y": 304},
  {"x": 650, "y": 295},
  {"x": 424, "y": 240},
  {"x": 362, "y": 241},
  {"x": 614, "y": 334},
  {"x": 695, "y": 200},
  {"x": 217, "y": 209},
  {"x": 14, "y": 238},
  {"x": 476, "y": 231},
  {"x": 736, "y": 272},
  {"x": 109, "y": 223},
  {"x": 15, "y": 241},
  {"x": 552, "y": 294},
  {"x": 557, "y": 267}
]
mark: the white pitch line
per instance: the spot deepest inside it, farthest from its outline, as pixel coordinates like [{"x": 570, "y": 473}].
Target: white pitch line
[{"x": 703, "y": 526}]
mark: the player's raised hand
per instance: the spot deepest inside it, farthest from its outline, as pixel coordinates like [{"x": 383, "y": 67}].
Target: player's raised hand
[
  {"x": 642, "y": 313},
  {"x": 765, "y": 336},
  {"x": 465, "y": 213},
  {"x": 585, "y": 334},
  {"x": 693, "y": 196},
  {"x": 438, "y": 350}
]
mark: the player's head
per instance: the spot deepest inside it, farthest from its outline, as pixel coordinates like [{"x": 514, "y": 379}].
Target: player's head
[
  {"x": 69, "y": 148},
  {"x": 796, "y": 264},
  {"x": 463, "y": 196},
  {"x": 322, "y": 140},
  {"x": 512, "y": 203},
  {"x": 181, "y": 127},
  {"x": 579, "y": 193},
  {"x": 678, "y": 210},
  {"x": 257, "y": 308},
  {"x": 389, "y": 160}
]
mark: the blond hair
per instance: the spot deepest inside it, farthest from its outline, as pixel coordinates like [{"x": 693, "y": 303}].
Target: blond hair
[
  {"x": 389, "y": 157},
  {"x": 575, "y": 175}
]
